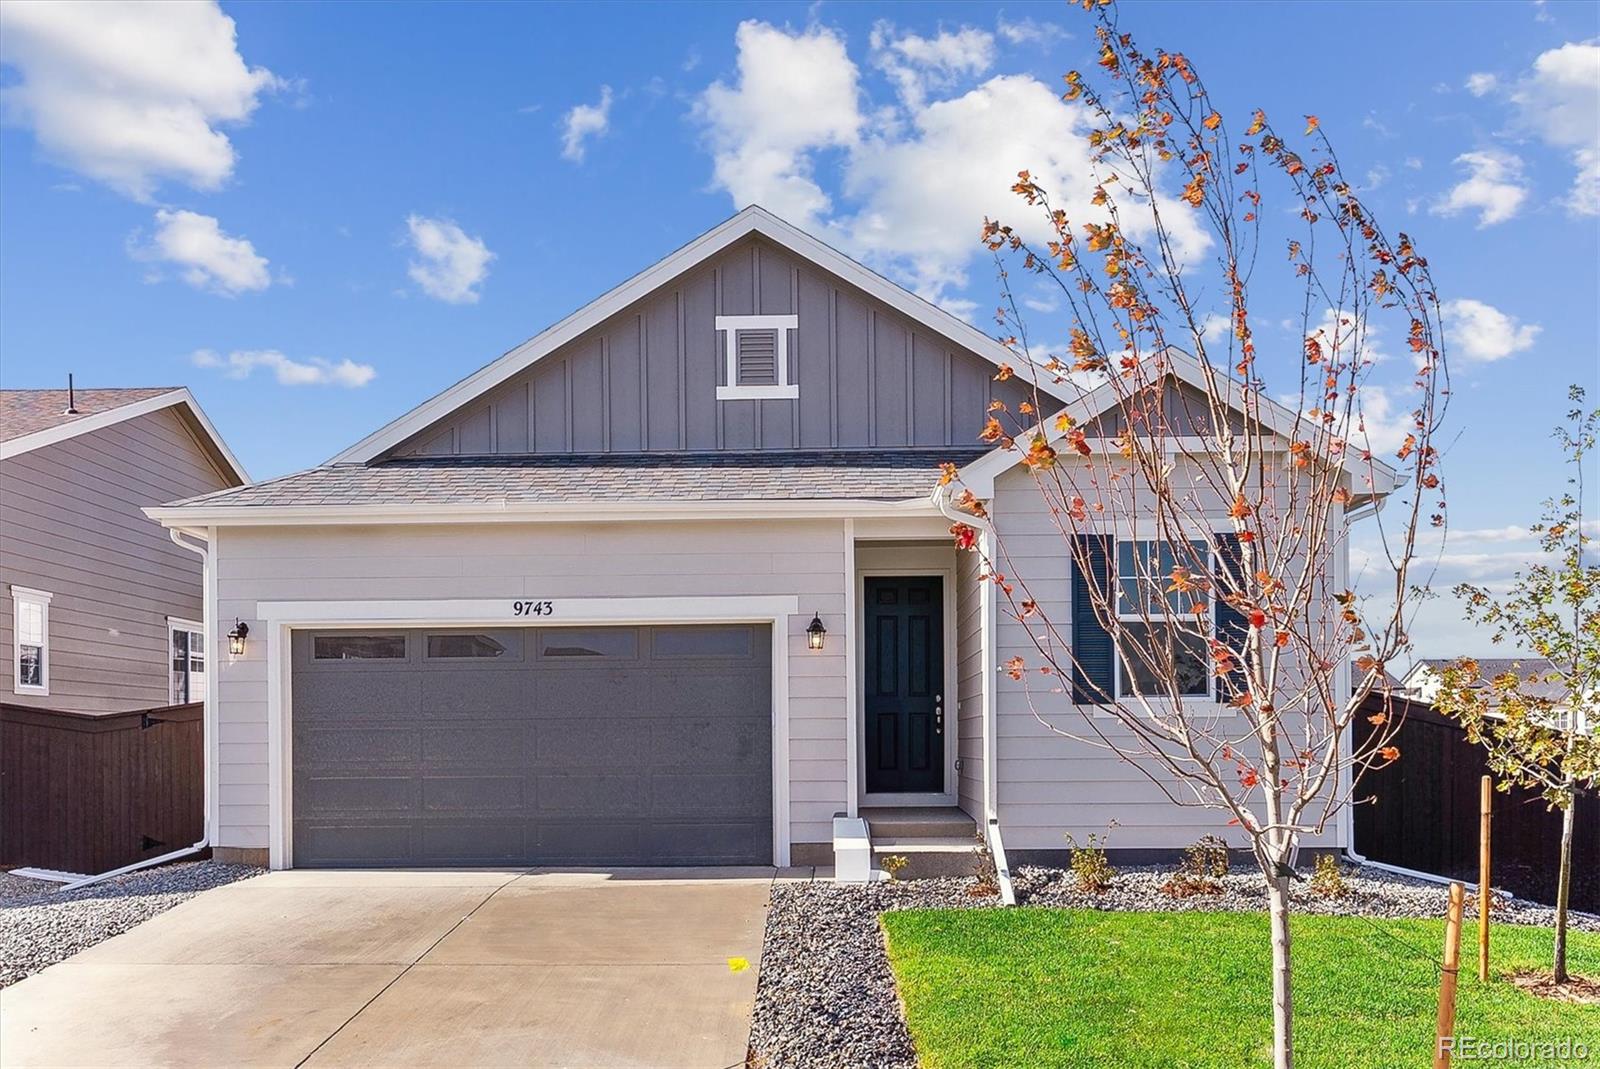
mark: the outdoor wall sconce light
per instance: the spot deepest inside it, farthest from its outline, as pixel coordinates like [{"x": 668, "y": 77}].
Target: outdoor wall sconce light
[
  {"x": 815, "y": 633},
  {"x": 237, "y": 636}
]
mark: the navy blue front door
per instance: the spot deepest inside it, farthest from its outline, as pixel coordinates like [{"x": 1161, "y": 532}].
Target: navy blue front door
[{"x": 904, "y": 666}]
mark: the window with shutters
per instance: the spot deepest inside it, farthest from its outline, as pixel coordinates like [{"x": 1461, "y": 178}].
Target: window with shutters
[
  {"x": 1149, "y": 605},
  {"x": 756, "y": 349}
]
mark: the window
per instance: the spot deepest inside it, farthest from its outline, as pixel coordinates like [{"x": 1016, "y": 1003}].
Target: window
[
  {"x": 31, "y": 631},
  {"x": 458, "y": 646},
  {"x": 358, "y": 648},
  {"x": 1149, "y": 609},
  {"x": 187, "y": 642},
  {"x": 702, "y": 641},
  {"x": 756, "y": 351},
  {"x": 589, "y": 642}
]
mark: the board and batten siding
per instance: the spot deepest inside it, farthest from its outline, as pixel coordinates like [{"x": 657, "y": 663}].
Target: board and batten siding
[
  {"x": 803, "y": 557},
  {"x": 70, "y": 524},
  {"x": 1049, "y": 786},
  {"x": 646, "y": 379}
]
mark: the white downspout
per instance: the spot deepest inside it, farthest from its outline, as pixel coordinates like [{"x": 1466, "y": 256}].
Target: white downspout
[
  {"x": 207, "y": 728},
  {"x": 988, "y": 615}
]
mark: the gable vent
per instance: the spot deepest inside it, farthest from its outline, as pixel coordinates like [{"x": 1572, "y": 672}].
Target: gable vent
[{"x": 757, "y": 357}]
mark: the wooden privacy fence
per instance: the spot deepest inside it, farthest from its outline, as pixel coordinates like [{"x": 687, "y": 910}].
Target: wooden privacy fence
[
  {"x": 84, "y": 793},
  {"x": 1424, "y": 815}
]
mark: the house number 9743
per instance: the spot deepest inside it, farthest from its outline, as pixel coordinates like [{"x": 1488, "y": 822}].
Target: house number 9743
[{"x": 533, "y": 608}]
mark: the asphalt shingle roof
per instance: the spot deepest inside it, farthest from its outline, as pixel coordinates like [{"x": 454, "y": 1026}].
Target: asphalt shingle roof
[
  {"x": 868, "y": 475},
  {"x": 26, "y": 411}
]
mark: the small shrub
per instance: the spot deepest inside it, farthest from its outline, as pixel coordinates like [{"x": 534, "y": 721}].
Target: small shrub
[
  {"x": 1327, "y": 878},
  {"x": 1207, "y": 857},
  {"x": 892, "y": 864},
  {"x": 1089, "y": 864},
  {"x": 987, "y": 881}
]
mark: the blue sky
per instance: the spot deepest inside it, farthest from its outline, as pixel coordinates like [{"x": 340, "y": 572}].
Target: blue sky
[{"x": 317, "y": 216}]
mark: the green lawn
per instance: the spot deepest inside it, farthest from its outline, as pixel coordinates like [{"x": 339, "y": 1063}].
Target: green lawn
[{"x": 1057, "y": 987}]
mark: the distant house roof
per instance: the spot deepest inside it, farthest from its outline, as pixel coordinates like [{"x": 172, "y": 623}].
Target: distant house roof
[
  {"x": 1491, "y": 668},
  {"x": 24, "y": 412},
  {"x": 32, "y": 419},
  {"x": 593, "y": 479}
]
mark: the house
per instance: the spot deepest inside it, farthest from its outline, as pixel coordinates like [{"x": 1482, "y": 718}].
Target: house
[
  {"x": 100, "y": 612},
  {"x": 1423, "y": 680},
  {"x": 672, "y": 582}
]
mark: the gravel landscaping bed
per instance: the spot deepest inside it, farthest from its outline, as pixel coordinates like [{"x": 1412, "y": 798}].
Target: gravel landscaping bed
[
  {"x": 826, "y": 995},
  {"x": 39, "y": 926}
]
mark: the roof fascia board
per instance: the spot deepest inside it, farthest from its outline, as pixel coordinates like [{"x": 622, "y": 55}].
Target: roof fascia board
[
  {"x": 534, "y": 512},
  {"x": 121, "y": 414},
  {"x": 751, "y": 220}
]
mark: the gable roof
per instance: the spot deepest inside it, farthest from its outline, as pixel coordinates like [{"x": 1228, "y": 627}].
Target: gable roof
[
  {"x": 752, "y": 220},
  {"x": 979, "y": 476},
  {"x": 32, "y": 419}
]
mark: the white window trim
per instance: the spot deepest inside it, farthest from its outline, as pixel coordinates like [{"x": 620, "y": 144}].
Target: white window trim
[
  {"x": 1136, "y": 617},
  {"x": 730, "y": 327},
  {"x": 176, "y": 624},
  {"x": 20, "y": 596}
]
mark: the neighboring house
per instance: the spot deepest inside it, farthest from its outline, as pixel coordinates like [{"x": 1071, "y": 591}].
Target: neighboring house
[
  {"x": 671, "y": 582},
  {"x": 99, "y": 611},
  {"x": 1422, "y": 682}
]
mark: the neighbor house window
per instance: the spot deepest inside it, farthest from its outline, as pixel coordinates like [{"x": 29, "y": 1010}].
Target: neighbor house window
[
  {"x": 756, "y": 355},
  {"x": 186, "y": 640},
  {"x": 1150, "y": 610},
  {"x": 31, "y": 628}
]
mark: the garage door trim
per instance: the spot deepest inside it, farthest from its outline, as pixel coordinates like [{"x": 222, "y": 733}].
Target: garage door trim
[{"x": 281, "y": 618}]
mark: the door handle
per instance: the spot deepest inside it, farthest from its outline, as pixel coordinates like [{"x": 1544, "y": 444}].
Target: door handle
[{"x": 938, "y": 714}]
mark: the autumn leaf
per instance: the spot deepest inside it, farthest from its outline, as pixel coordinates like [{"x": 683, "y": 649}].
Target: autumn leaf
[
  {"x": 947, "y": 473},
  {"x": 1004, "y": 373},
  {"x": 1312, "y": 122},
  {"x": 1390, "y": 753},
  {"x": 1240, "y": 509},
  {"x": 1212, "y": 121},
  {"x": 1257, "y": 124},
  {"x": 966, "y": 535}
]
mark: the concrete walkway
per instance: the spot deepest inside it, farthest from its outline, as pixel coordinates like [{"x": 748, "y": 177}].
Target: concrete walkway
[{"x": 627, "y": 968}]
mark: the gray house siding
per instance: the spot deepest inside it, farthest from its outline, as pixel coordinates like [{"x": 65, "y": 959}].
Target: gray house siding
[
  {"x": 70, "y": 524},
  {"x": 579, "y": 560},
  {"x": 1050, "y": 786},
  {"x": 646, "y": 379}
]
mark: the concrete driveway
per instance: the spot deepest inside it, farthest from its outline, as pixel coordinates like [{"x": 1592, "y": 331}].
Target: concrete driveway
[{"x": 628, "y": 968}]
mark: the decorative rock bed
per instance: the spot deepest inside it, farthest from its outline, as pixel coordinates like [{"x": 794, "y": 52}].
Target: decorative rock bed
[
  {"x": 826, "y": 995},
  {"x": 40, "y": 926}
]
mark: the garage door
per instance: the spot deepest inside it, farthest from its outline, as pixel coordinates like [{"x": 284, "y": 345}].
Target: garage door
[{"x": 533, "y": 746}]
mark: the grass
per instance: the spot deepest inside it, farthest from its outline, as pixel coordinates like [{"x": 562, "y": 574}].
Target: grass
[{"x": 1057, "y": 987}]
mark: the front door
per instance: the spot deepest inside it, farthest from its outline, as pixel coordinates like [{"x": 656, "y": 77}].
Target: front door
[{"x": 904, "y": 665}]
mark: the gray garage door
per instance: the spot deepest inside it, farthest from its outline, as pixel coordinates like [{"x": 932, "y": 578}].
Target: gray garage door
[{"x": 533, "y": 746}]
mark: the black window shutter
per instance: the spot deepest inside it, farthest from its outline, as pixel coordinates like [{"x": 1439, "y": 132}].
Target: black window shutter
[
  {"x": 1094, "y": 661},
  {"x": 1233, "y": 627}
]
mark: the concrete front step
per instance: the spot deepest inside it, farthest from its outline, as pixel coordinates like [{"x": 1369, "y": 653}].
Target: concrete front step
[
  {"x": 917, "y": 822},
  {"x": 928, "y": 856}
]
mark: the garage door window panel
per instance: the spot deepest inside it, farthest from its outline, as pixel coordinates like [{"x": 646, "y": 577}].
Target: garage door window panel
[
  {"x": 712, "y": 642},
  {"x": 589, "y": 643},
  {"x": 495, "y": 647},
  {"x": 358, "y": 647}
]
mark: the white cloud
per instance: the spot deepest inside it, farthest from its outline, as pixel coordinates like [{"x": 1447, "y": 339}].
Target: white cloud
[
  {"x": 1482, "y": 83},
  {"x": 1483, "y": 333},
  {"x": 1561, "y": 100},
  {"x": 1383, "y": 419},
  {"x": 918, "y": 179},
  {"x": 795, "y": 93},
  {"x": 312, "y": 372},
  {"x": 583, "y": 122},
  {"x": 1029, "y": 31},
  {"x": 450, "y": 264},
  {"x": 130, "y": 93},
  {"x": 1493, "y": 188},
  {"x": 205, "y": 256},
  {"x": 915, "y": 65}
]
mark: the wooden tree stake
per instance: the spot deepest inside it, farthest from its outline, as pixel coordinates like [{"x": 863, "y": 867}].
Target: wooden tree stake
[
  {"x": 1485, "y": 814},
  {"x": 1444, "y": 1030}
]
